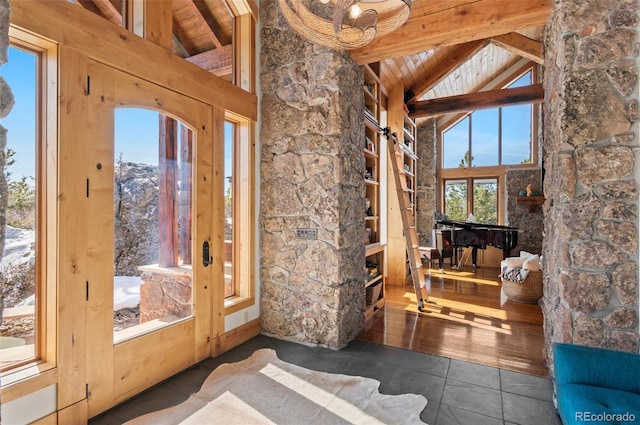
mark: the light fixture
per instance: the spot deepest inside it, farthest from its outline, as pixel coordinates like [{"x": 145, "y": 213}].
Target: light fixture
[{"x": 344, "y": 24}]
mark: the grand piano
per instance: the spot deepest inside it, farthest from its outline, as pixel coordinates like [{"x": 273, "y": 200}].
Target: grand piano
[{"x": 458, "y": 234}]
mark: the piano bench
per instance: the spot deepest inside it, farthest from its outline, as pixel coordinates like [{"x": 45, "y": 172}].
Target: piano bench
[{"x": 429, "y": 253}]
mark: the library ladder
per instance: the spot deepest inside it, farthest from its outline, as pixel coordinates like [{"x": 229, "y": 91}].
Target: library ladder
[{"x": 408, "y": 221}]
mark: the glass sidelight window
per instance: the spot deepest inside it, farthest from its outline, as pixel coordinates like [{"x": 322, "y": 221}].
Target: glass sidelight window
[
  {"x": 20, "y": 266},
  {"x": 153, "y": 197},
  {"x": 238, "y": 212},
  {"x": 229, "y": 188}
]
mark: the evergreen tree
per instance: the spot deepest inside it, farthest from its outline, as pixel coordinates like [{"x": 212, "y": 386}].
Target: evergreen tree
[{"x": 485, "y": 198}]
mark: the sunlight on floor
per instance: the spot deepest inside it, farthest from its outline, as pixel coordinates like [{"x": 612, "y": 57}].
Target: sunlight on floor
[
  {"x": 464, "y": 276},
  {"x": 329, "y": 401},
  {"x": 455, "y": 311}
]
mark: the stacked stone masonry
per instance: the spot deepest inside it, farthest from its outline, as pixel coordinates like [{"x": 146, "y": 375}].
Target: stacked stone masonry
[
  {"x": 311, "y": 172},
  {"x": 530, "y": 222},
  {"x": 164, "y": 293},
  {"x": 591, "y": 181},
  {"x": 427, "y": 182}
]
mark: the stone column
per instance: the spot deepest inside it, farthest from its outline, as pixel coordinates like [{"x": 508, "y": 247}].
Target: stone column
[
  {"x": 312, "y": 188},
  {"x": 426, "y": 179},
  {"x": 591, "y": 182}
]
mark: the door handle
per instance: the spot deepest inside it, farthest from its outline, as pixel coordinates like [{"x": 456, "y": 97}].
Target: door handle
[{"x": 206, "y": 257}]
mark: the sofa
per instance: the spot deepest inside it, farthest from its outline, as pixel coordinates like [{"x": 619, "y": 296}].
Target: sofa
[{"x": 596, "y": 385}]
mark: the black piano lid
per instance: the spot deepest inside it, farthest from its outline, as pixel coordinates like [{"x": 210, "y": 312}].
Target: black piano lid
[{"x": 470, "y": 225}]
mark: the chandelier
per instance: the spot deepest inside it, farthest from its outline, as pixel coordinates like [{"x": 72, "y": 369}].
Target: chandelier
[{"x": 344, "y": 24}]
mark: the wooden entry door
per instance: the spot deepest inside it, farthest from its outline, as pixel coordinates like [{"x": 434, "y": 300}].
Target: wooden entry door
[{"x": 173, "y": 330}]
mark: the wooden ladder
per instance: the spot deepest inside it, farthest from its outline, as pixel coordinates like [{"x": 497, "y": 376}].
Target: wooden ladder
[{"x": 408, "y": 222}]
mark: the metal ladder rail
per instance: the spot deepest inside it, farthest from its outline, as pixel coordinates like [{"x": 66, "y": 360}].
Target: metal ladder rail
[{"x": 408, "y": 221}]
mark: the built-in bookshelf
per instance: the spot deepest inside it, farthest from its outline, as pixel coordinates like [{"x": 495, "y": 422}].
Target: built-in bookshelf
[
  {"x": 374, "y": 280},
  {"x": 410, "y": 158}
]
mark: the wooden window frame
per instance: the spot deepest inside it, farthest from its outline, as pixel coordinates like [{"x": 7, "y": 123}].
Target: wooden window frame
[
  {"x": 40, "y": 372},
  {"x": 492, "y": 173},
  {"x": 243, "y": 215},
  {"x": 496, "y": 171}
]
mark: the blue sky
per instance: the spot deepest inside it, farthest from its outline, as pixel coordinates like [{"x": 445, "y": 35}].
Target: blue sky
[
  {"x": 516, "y": 135},
  {"x": 19, "y": 73},
  {"x": 136, "y": 130}
]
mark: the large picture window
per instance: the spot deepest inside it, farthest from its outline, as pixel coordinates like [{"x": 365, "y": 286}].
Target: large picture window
[
  {"x": 476, "y": 152},
  {"x": 491, "y": 137}
]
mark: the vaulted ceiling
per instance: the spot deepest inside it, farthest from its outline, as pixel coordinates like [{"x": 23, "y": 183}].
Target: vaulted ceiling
[{"x": 446, "y": 48}]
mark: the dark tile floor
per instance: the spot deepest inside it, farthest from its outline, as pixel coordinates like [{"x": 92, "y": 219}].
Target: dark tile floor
[{"x": 458, "y": 392}]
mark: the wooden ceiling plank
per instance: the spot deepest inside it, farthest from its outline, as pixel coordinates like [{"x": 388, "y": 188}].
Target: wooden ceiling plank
[
  {"x": 201, "y": 22},
  {"x": 390, "y": 74},
  {"x": 427, "y": 28},
  {"x": 447, "y": 64},
  {"x": 184, "y": 39},
  {"x": 212, "y": 23},
  {"x": 478, "y": 100},
  {"x": 521, "y": 46}
]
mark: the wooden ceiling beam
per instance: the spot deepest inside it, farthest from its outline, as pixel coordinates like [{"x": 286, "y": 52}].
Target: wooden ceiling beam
[
  {"x": 200, "y": 20},
  {"x": 435, "y": 23},
  {"x": 456, "y": 56},
  {"x": 521, "y": 46},
  {"x": 181, "y": 36},
  {"x": 103, "y": 8},
  {"x": 205, "y": 12},
  {"x": 478, "y": 100}
]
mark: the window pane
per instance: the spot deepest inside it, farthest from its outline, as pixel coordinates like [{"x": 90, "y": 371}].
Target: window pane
[
  {"x": 229, "y": 152},
  {"x": 484, "y": 138},
  {"x": 152, "y": 222},
  {"x": 455, "y": 199},
  {"x": 516, "y": 134},
  {"x": 485, "y": 200},
  {"x": 20, "y": 258},
  {"x": 524, "y": 80},
  {"x": 455, "y": 145}
]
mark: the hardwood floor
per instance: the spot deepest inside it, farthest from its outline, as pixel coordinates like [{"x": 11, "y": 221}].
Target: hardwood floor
[{"x": 465, "y": 320}]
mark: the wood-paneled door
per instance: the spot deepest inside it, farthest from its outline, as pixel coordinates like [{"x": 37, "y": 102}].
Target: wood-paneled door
[{"x": 148, "y": 222}]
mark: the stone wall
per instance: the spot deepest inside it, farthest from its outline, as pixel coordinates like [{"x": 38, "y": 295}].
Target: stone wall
[
  {"x": 426, "y": 179},
  {"x": 165, "y": 291},
  {"x": 529, "y": 222},
  {"x": 591, "y": 215},
  {"x": 135, "y": 217},
  {"x": 312, "y": 166}
]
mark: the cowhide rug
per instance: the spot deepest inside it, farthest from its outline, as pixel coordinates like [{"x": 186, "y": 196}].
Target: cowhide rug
[{"x": 266, "y": 390}]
